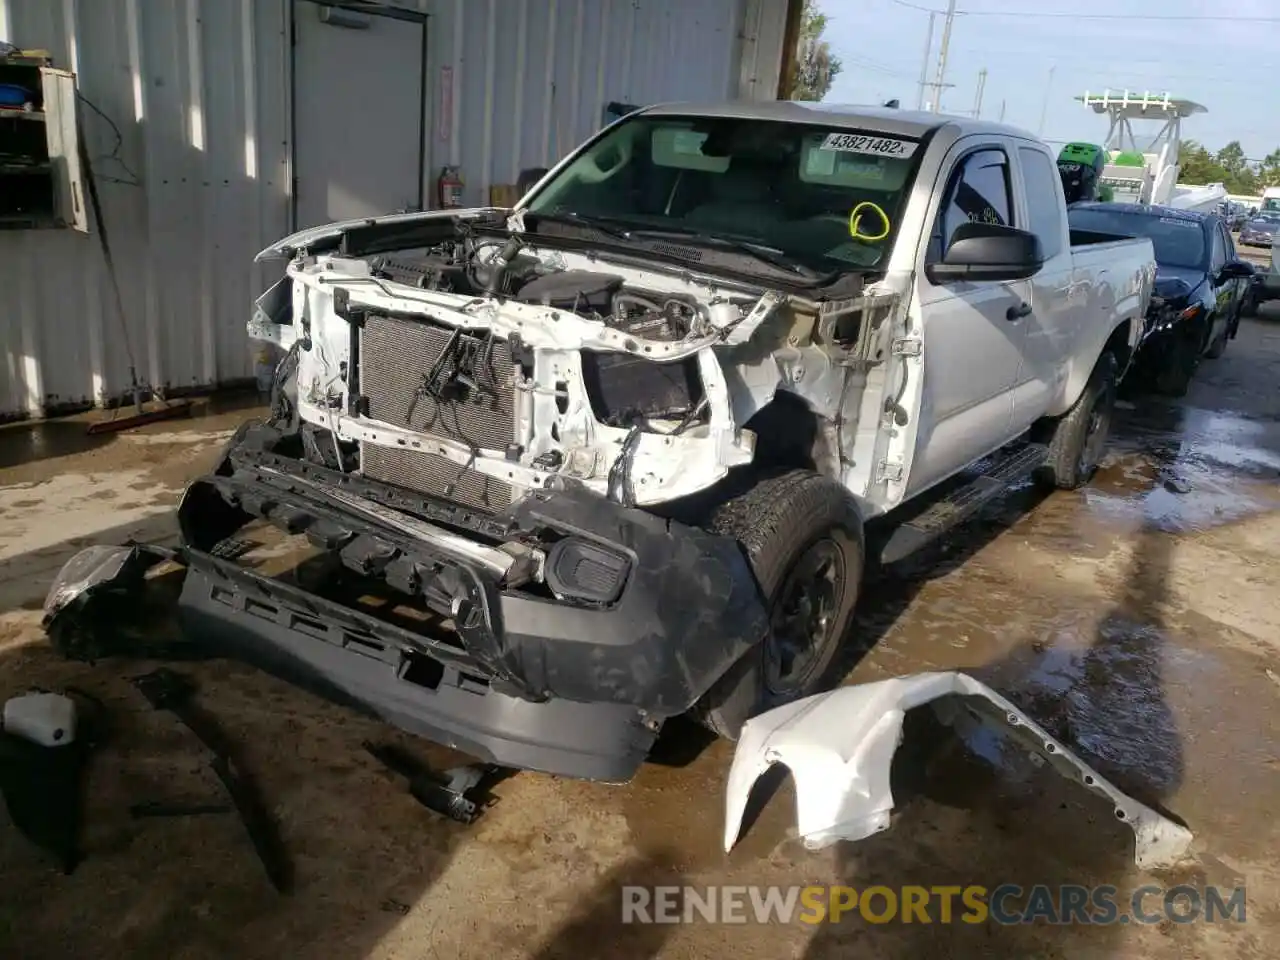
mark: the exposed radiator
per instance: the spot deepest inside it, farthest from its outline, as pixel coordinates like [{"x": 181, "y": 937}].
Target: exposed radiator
[{"x": 396, "y": 359}]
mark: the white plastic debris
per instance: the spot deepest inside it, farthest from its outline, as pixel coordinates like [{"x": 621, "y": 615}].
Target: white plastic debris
[{"x": 47, "y": 719}]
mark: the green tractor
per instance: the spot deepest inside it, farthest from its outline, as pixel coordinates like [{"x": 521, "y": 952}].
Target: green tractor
[{"x": 1080, "y": 166}]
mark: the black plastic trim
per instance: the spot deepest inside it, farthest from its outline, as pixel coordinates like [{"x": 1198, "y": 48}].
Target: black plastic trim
[
  {"x": 690, "y": 608},
  {"x": 594, "y": 741}
]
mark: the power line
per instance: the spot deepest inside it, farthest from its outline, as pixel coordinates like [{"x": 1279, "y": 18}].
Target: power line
[
  {"x": 1183, "y": 18},
  {"x": 872, "y": 65},
  {"x": 1120, "y": 74},
  {"x": 913, "y": 6},
  {"x": 1049, "y": 15}
]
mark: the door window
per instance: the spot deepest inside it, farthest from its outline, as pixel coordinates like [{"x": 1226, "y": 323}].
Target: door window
[
  {"x": 979, "y": 192},
  {"x": 1218, "y": 258},
  {"x": 1045, "y": 200},
  {"x": 1230, "y": 244}
]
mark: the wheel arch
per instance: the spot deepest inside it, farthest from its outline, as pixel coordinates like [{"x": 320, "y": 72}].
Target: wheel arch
[{"x": 1120, "y": 342}]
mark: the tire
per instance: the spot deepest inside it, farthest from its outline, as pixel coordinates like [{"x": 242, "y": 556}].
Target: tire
[
  {"x": 1076, "y": 439},
  {"x": 791, "y": 526},
  {"x": 1249, "y": 308},
  {"x": 1179, "y": 364},
  {"x": 1219, "y": 345}
]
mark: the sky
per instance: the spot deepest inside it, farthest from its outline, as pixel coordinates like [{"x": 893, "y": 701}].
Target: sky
[{"x": 1227, "y": 63}]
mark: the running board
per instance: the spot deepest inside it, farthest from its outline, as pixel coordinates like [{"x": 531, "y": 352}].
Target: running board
[{"x": 964, "y": 502}]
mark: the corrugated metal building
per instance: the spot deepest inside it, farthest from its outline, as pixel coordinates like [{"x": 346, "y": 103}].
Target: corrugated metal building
[{"x": 215, "y": 126}]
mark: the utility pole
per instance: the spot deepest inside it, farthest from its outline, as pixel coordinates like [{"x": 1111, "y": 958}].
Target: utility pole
[
  {"x": 924, "y": 62},
  {"x": 977, "y": 101},
  {"x": 1044, "y": 108},
  {"x": 1002, "y": 106},
  {"x": 939, "y": 81}
]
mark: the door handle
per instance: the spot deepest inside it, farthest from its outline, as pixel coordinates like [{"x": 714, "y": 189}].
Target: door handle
[{"x": 1017, "y": 313}]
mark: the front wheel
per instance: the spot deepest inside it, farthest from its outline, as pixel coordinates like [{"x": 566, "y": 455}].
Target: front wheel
[
  {"x": 1078, "y": 439},
  {"x": 1179, "y": 364},
  {"x": 802, "y": 536},
  {"x": 1219, "y": 345}
]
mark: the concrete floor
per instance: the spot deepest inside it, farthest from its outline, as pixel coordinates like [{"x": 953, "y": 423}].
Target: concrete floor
[{"x": 1137, "y": 620}]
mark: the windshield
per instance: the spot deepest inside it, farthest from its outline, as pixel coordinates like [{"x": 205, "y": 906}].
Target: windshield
[
  {"x": 1179, "y": 241},
  {"x": 826, "y": 198}
]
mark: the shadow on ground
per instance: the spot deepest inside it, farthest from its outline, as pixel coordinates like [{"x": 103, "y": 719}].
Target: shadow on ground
[{"x": 363, "y": 852}]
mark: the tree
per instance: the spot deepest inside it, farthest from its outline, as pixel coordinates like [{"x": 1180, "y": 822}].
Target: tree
[
  {"x": 1198, "y": 164},
  {"x": 1228, "y": 166},
  {"x": 1269, "y": 169},
  {"x": 1231, "y": 158},
  {"x": 815, "y": 66}
]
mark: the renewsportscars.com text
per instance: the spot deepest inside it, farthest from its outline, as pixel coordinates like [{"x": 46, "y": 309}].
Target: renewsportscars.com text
[{"x": 1006, "y": 904}]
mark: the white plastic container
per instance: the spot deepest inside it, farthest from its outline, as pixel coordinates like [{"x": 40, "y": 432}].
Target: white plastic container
[{"x": 47, "y": 719}]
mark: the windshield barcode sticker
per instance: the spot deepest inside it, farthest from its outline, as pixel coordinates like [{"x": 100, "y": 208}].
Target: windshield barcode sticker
[{"x": 870, "y": 146}]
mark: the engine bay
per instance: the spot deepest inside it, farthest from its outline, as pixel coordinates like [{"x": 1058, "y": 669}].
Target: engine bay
[
  {"x": 505, "y": 271},
  {"x": 478, "y": 362},
  {"x": 624, "y": 390}
]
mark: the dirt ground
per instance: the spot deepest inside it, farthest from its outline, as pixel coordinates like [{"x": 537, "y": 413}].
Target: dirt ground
[{"x": 1137, "y": 620}]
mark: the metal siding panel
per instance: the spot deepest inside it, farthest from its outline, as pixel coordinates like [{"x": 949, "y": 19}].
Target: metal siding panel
[
  {"x": 199, "y": 91},
  {"x": 554, "y": 64},
  {"x": 513, "y": 81},
  {"x": 469, "y": 88},
  {"x": 763, "y": 33},
  {"x": 535, "y": 92},
  {"x": 271, "y": 196},
  {"x": 226, "y": 188},
  {"x": 190, "y": 190}
]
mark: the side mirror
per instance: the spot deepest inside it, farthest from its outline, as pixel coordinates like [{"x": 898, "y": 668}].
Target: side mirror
[
  {"x": 1236, "y": 270},
  {"x": 988, "y": 251}
]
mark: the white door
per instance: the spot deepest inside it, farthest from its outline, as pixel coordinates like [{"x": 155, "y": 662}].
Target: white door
[
  {"x": 357, "y": 113},
  {"x": 973, "y": 331}
]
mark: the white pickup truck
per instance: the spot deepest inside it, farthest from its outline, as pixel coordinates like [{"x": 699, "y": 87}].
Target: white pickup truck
[{"x": 618, "y": 454}]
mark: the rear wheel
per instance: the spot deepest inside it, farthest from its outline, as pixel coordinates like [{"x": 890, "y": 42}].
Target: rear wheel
[
  {"x": 1078, "y": 439},
  {"x": 802, "y": 536}
]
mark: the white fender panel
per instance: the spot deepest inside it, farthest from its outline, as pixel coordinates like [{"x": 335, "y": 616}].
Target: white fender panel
[{"x": 839, "y": 747}]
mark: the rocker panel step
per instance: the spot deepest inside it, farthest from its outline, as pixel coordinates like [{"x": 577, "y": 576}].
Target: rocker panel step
[{"x": 963, "y": 502}]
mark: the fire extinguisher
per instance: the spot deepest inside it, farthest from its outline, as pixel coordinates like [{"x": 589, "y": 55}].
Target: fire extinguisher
[{"x": 449, "y": 187}]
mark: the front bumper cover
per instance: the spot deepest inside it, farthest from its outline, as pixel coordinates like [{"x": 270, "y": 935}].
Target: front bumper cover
[{"x": 521, "y": 680}]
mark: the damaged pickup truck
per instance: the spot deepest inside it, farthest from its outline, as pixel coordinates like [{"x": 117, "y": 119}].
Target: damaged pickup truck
[{"x": 612, "y": 456}]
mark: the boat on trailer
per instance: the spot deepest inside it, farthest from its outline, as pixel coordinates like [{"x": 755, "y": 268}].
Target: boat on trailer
[{"x": 1147, "y": 171}]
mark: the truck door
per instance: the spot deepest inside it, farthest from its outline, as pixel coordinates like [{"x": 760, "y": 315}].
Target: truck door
[
  {"x": 1052, "y": 327},
  {"x": 972, "y": 334}
]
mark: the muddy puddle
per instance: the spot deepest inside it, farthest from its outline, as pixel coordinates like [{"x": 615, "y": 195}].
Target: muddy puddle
[{"x": 1183, "y": 469}]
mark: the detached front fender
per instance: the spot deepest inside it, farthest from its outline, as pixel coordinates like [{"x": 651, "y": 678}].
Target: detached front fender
[{"x": 839, "y": 747}]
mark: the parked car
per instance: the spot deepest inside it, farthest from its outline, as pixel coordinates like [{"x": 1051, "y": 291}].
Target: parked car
[
  {"x": 1259, "y": 231},
  {"x": 617, "y": 451},
  {"x": 1201, "y": 288},
  {"x": 1266, "y": 285},
  {"x": 1233, "y": 214}
]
